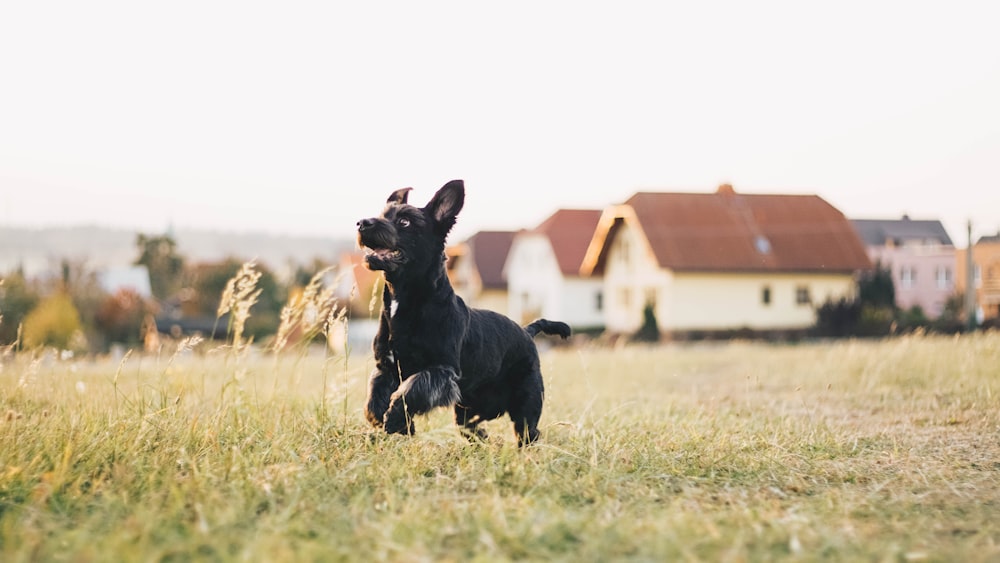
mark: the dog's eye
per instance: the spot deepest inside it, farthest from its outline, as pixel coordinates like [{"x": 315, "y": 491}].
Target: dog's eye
[{"x": 404, "y": 222}]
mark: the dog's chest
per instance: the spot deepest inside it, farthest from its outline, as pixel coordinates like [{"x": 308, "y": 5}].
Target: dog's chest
[{"x": 417, "y": 337}]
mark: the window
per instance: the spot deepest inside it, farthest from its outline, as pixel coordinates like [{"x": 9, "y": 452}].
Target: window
[
  {"x": 943, "y": 277},
  {"x": 598, "y": 301},
  {"x": 765, "y": 295},
  {"x": 978, "y": 276},
  {"x": 802, "y": 295},
  {"x": 907, "y": 277},
  {"x": 651, "y": 296}
]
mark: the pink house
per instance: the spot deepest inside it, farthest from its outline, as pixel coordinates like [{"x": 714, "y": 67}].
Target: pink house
[{"x": 920, "y": 255}]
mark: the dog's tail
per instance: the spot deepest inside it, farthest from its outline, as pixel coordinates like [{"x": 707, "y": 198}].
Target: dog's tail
[{"x": 554, "y": 328}]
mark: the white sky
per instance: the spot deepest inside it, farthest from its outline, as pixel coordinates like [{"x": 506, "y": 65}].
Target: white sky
[{"x": 301, "y": 117}]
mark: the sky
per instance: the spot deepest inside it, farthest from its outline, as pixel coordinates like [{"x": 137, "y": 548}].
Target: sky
[{"x": 301, "y": 118}]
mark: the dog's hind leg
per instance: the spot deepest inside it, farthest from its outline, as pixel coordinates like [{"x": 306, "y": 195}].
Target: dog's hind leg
[
  {"x": 436, "y": 386},
  {"x": 526, "y": 408}
]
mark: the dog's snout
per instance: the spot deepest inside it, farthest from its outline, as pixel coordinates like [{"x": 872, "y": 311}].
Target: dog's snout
[{"x": 365, "y": 224}]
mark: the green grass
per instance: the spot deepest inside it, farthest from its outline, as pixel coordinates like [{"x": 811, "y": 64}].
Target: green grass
[{"x": 857, "y": 450}]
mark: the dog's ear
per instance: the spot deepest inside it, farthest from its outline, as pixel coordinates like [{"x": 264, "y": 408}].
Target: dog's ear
[
  {"x": 399, "y": 196},
  {"x": 446, "y": 204}
]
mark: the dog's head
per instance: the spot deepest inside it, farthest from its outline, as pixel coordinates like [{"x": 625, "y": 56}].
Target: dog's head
[{"x": 407, "y": 237}]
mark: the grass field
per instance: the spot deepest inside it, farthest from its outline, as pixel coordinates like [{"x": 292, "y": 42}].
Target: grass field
[{"x": 854, "y": 450}]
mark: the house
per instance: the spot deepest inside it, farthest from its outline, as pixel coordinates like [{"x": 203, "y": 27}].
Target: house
[
  {"x": 543, "y": 272},
  {"x": 722, "y": 261},
  {"x": 475, "y": 268},
  {"x": 986, "y": 276},
  {"x": 920, "y": 256}
]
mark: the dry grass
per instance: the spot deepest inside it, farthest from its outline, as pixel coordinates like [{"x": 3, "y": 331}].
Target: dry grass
[{"x": 883, "y": 450}]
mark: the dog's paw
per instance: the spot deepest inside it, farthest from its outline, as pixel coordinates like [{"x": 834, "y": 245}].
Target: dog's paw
[
  {"x": 396, "y": 422},
  {"x": 475, "y": 435}
]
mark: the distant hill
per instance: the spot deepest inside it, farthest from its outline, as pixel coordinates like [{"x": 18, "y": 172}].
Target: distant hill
[{"x": 41, "y": 250}]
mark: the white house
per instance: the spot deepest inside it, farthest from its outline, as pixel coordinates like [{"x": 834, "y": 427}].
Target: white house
[
  {"x": 543, "y": 272},
  {"x": 722, "y": 261}
]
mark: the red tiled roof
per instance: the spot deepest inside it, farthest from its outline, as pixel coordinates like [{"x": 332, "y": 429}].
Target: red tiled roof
[
  {"x": 726, "y": 231},
  {"x": 569, "y": 232}
]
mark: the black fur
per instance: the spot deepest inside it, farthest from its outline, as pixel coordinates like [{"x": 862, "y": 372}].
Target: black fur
[{"x": 432, "y": 350}]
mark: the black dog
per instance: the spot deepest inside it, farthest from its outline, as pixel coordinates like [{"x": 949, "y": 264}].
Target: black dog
[{"x": 432, "y": 350}]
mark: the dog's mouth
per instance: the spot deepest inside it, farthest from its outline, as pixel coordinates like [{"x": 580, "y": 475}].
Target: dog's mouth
[
  {"x": 383, "y": 253},
  {"x": 383, "y": 258}
]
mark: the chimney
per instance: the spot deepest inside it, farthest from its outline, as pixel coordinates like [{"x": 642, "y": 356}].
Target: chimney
[{"x": 726, "y": 189}]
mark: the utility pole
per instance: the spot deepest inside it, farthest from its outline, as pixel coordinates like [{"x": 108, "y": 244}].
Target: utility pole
[{"x": 970, "y": 284}]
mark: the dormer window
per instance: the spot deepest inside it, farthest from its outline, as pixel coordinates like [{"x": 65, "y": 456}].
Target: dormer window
[{"x": 762, "y": 245}]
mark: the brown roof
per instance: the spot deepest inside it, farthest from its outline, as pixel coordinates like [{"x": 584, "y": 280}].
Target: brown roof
[
  {"x": 569, "y": 232},
  {"x": 489, "y": 249},
  {"x": 726, "y": 231}
]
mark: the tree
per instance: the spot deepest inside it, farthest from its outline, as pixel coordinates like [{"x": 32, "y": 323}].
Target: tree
[
  {"x": 17, "y": 299},
  {"x": 876, "y": 288},
  {"x": 166, "y": 266},
  {"x": 650, "y": 329}
]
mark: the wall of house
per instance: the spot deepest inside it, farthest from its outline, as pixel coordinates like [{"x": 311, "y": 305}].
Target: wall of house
[
  {"x": 580, "y": 303},
  {"x": 986, "y": 260},
  {"x": 632, "y": 278},
  {"x": 721, "y": 301},
  {"x": 537, "y": 287},
  {"x": 533, "y": 278},
  {"x": 923, "y": 275}
]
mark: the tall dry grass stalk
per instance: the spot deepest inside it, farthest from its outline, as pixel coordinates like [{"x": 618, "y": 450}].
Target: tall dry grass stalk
[
  {"x": 240, "y": 295},
  {"x": 310, "y": 314}
]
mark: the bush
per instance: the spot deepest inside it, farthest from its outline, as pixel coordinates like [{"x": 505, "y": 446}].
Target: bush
[
  {"x": 54, "y": 322},
  {"x": 120, "y": 316},
  {"x": 852, "y": 317},
  {"x": 876, "y": 321},
  {"x": 912, "y": 319},
  {"x": 838, "y": 318}
]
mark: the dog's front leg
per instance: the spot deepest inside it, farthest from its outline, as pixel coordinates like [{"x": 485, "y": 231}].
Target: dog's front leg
[
  {"x": 385, "y": 379},
  {"x": 436, "y": 386},
  {"x": 381, "y": 386}
]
